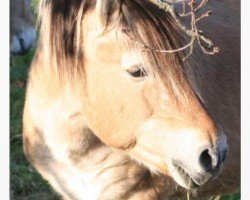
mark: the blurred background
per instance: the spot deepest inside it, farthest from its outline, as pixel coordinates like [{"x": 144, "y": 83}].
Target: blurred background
[{"x": 25, "y": 182}]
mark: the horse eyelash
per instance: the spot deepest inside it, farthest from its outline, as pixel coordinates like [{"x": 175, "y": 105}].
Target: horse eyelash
[{"x": 137, "y": 71}]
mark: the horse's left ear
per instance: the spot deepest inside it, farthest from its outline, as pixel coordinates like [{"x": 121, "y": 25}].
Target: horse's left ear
[{"x": 108, "y": 11}]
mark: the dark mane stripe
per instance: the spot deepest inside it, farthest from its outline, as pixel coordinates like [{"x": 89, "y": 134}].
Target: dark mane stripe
[{"x": 60, "y": 40}]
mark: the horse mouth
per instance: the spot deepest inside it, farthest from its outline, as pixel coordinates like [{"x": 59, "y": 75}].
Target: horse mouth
[{"x": 186, "y": 179}]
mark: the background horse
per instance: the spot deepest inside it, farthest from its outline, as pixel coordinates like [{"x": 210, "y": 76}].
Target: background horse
[
  {"x": 107, "y": 118},
  {"x": 22, "y": 28}
]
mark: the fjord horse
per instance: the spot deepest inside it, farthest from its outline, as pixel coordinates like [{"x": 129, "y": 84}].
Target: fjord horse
[{"x": 105, "y": 118}]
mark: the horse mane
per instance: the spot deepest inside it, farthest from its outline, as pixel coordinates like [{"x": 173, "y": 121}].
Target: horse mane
[{"x": 143, "y": 24}]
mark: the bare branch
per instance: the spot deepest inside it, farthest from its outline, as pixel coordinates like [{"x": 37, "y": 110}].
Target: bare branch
[
  {"x": 193, "y": 32},
  {"x": 164, "y": 50},
  {"x": 206, "y": 14},
  {"x": 198, "y": 8}
]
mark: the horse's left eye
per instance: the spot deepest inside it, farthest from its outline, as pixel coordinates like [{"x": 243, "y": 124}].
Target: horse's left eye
[{"x": 137, "y": 72}]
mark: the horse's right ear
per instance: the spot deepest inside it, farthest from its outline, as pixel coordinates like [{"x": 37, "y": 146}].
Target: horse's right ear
[{"x": 108, "y": 11}]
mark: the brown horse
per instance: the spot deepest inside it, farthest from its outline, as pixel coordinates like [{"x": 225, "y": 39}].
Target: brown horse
[{"x": 106, "y": 118}]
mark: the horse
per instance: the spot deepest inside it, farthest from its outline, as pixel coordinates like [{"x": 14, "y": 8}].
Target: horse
[
  {"x": 22, "y": 27},
  {"x": 107, "y": 118}
]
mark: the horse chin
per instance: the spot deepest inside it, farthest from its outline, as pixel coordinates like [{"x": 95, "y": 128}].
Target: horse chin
[{"x": 185, "y": 178}]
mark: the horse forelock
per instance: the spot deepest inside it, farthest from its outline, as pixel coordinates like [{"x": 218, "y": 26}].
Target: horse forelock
[
  {"x": 143, "y": 24},
  {"x": 152, "y": 29}
]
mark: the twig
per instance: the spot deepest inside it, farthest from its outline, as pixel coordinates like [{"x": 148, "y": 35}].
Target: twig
[
  {"x": 193, "y": 32},
  {"x": 183, "y": 7},
  {"x": 198, "y": 8},
  {"x": 164, "y": 50},
  {"x": 206, "y": 14},
  {"x": 202, "y": 4}
]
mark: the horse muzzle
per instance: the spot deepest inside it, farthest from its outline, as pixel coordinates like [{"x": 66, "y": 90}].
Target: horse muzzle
[{"x": 208, "y": 165}]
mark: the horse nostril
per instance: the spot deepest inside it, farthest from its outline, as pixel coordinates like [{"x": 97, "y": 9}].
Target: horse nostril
[
  {"x": 206, "y": 161},
  {"x": 211, "y": 162}
]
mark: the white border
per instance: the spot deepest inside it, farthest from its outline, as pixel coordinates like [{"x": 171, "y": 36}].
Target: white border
[{"x": 4, "y": 100}]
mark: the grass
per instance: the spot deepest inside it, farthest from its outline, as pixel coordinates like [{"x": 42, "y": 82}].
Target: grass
[{"x": 25, "y": 182}]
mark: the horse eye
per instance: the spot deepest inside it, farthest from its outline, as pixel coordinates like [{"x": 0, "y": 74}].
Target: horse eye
[{"x": 137, "y": 72}]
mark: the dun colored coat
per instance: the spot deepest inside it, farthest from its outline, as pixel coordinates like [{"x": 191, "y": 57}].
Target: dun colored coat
[{"x": 106, "y": 118}]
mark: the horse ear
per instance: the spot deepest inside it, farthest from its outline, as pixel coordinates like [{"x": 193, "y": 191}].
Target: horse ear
[{"x": 108, "y": 11}]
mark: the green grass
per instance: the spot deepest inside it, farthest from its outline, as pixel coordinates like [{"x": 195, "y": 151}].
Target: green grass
[
  {"x": 235, "y": 196},
  {"x": 25, "y": 182}
]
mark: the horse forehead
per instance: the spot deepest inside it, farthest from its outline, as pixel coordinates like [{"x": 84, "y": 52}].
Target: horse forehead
[{"x": 131, "y": 58}]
